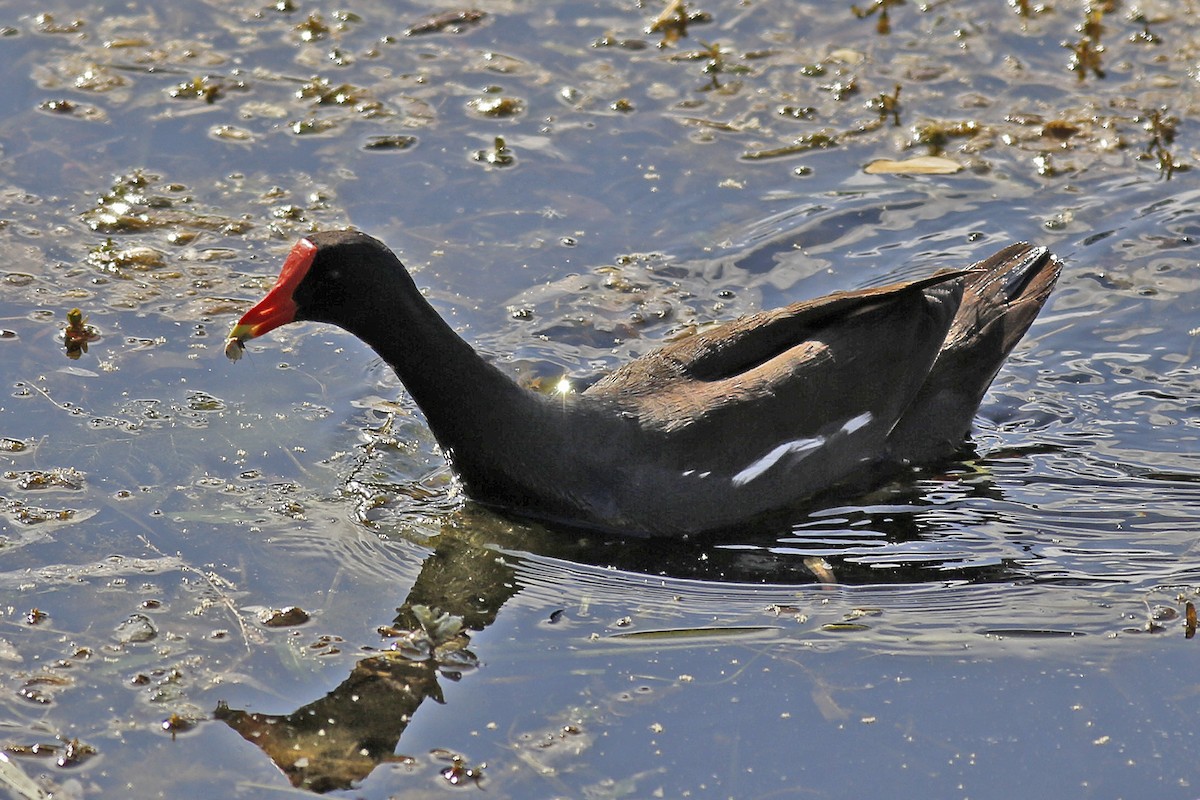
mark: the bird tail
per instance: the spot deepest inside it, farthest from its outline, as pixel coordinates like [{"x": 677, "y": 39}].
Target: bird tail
[{"x": 1002, "y": 295}]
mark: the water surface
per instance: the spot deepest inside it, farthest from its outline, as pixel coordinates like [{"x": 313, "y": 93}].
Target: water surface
[{"x": 1011, "y": 623}]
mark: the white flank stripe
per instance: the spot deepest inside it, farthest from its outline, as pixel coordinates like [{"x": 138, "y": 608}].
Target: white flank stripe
[
  {"x": 856, "y": 422},
  {"x": 770, "y": 459},
  {"x": 798, "y": 446}
]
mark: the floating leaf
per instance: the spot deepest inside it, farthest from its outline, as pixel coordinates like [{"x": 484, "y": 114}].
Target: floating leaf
[{"x": 920, "y": 165}]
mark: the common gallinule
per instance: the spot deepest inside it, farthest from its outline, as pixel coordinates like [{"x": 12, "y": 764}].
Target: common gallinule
[{"x": 709, "y": 432}]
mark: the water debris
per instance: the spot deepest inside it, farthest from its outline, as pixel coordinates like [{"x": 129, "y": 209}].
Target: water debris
[
  {"x": 1032, "y": 633},
  {"x": 13, "y": 778}
]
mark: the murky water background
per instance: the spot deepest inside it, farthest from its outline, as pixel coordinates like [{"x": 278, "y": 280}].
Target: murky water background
[{"x": 1013, "y": 624}]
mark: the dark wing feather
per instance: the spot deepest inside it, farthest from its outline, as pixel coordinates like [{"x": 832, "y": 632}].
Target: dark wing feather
[
  {"x": 740, "y": 346},
  {"x": 1002, "y": 296}
]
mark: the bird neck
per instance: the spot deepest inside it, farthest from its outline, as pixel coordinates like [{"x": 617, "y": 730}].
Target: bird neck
[{"x": 467, "y": 401}]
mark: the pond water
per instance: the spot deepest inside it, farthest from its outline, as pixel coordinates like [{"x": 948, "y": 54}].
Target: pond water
[{"x": 572, "y": 184}]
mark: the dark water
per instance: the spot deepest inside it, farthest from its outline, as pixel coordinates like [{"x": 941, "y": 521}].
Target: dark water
[{"x": 1014, "y": 623}]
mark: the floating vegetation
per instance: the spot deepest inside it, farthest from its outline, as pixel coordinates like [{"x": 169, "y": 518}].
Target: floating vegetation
[
  {"x": 162, "y": 260},
  {"x": 459, "y": 772},
  {"x": 288, "y": 617},
  {"x": 497, "y": 107},
  {"x": 1060, "y": 130},
  {"x": 715, "y": 62},
  {"x": 32, "y": 515},
  {"x": 818, "y": 140},
  {"x": 888, "y": 105},
  {"x": 110, "y": 257},
  {"x": 390, "y": 142},
  {"x": 47, "y": 24},
  {"x": 63, "y": 478},
  {"x": 313, "y": 28},
  {"x": 136, "y": 629},
  {"x": 78, "y": 334},
  {"x": 1145, "y": 35},
  {"x": 841, "y": 89},
  {"x": 177, "y": 723},
  {"x": 937, "y": 134},
  {"x": 70, "y": 108},
  {"x": 449, "y": 22},
  {"x": 498, "y": 155},
  {"x": 208, "y": 88},
  {"x": 672, "y": 23},
  {"x": 609, "y": 40},
  {"x": 1027, "y": 9},
  {"x": 883, "y": 22},
  {"x": 1085, "y": 57},
  {"x": 1161, "y": 125},
  {"x": 131, "y": 206},
  {"x": 66, "y": 753},
  {"x": 797, "y": 112},
  {"x": 324, "y": 93},
  {"x": 307, "y": 127}
]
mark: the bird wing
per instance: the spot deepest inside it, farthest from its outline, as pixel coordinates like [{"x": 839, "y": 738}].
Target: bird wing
[{"x": 868, "y": 348}]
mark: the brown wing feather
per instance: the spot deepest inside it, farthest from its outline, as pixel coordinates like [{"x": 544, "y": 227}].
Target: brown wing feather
[{"x": 737, "y": 347}]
